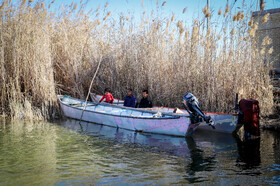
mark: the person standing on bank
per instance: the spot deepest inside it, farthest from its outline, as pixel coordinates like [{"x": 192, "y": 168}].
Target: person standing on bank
[
  {"x": 130, "y": 99},
  {"x": 107, "y": 96},
  {"x": 145, "y": 102}
]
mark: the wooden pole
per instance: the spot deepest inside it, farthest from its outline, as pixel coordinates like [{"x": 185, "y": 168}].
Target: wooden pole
[
  {"x": 208, "y": 7},
  {"x": 261, "y": 5},
  {"x": 90, "y": 89}
]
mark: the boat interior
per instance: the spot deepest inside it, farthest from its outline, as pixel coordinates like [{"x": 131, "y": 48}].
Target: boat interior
[{"x": 113, "y": 109}]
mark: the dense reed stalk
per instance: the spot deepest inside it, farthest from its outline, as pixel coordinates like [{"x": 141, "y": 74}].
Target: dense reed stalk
[{"x": 43, "y": 54}]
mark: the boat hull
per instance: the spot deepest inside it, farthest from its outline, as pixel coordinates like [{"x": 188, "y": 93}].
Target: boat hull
[
  {"x": 225, "y": 123},
  {"x": 177, "y": 126}
]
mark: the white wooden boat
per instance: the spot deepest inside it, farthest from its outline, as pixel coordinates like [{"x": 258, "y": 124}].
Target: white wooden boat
[
  {"x": 127, "y": 118},
  {"x": 224, "y": 122}
]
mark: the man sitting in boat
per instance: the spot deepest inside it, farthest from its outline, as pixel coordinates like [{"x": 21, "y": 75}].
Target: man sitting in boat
[
  {"x": 145, "y": 102},
  {"x": 107, "y": 96},
  {"x": 130, "y": 99}
]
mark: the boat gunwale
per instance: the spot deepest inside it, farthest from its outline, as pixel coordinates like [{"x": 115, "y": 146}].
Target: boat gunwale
[
  {"x": 125, "y": 108},
  {"x": 176, "y": 114}
]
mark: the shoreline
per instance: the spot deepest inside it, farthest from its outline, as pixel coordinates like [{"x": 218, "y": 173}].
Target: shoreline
[{"x": 271, "y": 123}]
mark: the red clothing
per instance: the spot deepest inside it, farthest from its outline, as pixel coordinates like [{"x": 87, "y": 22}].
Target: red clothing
[{"x": 108, "y": 97}]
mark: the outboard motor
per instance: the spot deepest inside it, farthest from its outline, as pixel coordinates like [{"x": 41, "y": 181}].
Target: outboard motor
[{"x": 193, "y": 109}]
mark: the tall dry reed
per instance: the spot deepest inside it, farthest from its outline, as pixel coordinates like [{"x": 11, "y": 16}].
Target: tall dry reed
[{"x": 44, "y": 54}]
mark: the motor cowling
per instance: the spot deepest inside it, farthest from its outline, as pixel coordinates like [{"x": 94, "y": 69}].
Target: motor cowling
[
  {"x": 194, "y": 110},
  {"x": 249, "y": 115}
]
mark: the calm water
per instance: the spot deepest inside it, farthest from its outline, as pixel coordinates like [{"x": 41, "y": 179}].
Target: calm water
[{"x": 67, "y": 153}]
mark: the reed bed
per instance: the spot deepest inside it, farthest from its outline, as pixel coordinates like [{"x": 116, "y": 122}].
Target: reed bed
[{"x": 44, "y": 53}]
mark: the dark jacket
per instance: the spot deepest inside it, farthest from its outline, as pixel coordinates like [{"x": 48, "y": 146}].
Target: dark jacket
[
  {"x": 145, "y": 103},
  {"x": 129, "y": 101}
]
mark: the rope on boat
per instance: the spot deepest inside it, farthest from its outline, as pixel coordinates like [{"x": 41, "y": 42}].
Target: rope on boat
[{"x": 90, "y": 89}]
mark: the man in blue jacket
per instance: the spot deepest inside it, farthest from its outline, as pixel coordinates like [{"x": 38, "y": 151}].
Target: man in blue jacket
[{"x": 130, "y": 99}]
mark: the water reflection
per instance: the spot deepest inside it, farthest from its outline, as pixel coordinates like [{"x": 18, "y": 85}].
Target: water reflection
[
  {"x": 270, "y": 149},
  {"x": 276, "y": 147},
  {"x": 249, "y": 153},
  {"x": 198, "y": 154},
  {"x": 206, "y": 157},
  {"x": 91, "y": 154},
  {"x": 199, "y": 162},
  {"x": 27, "y": 149},
  {"x": 170, "y": 145}
]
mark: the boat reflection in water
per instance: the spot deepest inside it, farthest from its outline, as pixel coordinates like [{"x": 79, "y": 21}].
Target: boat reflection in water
[
  {"x": 201, "y": 155},
  {"x": 169, "y": 144},
  {"x": 199, "y": 161}
]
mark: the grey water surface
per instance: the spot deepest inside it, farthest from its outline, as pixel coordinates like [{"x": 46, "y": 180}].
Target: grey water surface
[{"x": 67, "y": 153}]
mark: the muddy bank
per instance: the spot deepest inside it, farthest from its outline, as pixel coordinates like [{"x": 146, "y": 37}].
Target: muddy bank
[{"x": 271, "y": 122}]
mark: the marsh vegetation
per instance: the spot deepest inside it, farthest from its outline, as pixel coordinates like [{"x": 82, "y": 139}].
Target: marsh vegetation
[{"x": 44, "y": 53}]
